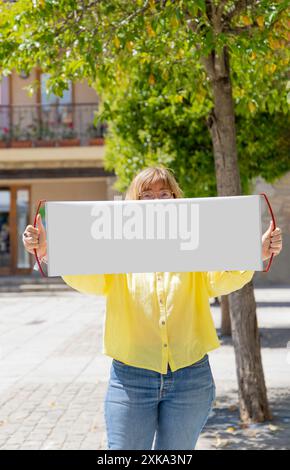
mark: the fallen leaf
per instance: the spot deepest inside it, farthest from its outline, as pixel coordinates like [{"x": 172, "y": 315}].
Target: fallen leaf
[
  {"x": 230, "y": 429},
  {"x": 273, "y": 428}
]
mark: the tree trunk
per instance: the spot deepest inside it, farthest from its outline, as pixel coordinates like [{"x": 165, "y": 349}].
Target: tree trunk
[
  {"x": 226, "y": 318},
  {"x": 221, "y": 123},
  {"x": 252, "y": 390}
]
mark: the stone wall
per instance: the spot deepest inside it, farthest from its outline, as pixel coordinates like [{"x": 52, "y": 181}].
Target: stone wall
[{"x": 278, "y": 194}]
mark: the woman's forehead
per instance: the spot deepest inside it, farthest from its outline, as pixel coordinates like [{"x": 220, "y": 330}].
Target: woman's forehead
[{"x": 160, "y": 184}]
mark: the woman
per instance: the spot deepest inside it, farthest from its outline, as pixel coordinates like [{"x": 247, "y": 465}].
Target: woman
[{"x": 158, "y": 331}]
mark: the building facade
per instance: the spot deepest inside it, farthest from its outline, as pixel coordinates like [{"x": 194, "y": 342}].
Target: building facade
[{"x": 49, "y": 149}]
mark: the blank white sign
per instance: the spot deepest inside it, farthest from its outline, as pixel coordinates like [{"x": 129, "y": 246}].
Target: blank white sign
[{"x": 173, "y": 235}]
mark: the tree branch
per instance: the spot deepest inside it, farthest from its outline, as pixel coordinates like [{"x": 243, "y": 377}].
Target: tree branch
[
  {"x": 241, "y": 29},
  {"x": 239, "y": 6},
  {"x": 135, "y": 13},
  {"x": 219, "y": 10}
]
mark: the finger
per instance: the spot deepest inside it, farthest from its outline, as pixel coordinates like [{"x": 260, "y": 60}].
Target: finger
[
  {"x": 39, "y": 220},
  {"x": 276, "y": 235},
  {"x": 276, "y": 245},
  {"x": 30, "y": 237},
  {"x": 270, "y": 228},
  {"x": 276, "y": 238},
  {"x": 31, "y": 229},
  {"x": 275, "y": 250},
  {"x": 33, "y": 243},
  {"x": 276, "y": 231},
  {"x": 31, "y": 240}
]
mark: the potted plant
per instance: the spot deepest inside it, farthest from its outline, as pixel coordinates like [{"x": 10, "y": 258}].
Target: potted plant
[
  {"x": 21, "y": 138},
  {"x": 42, "y": 134},
  {"x": 96, "y": 134},
  {"x": 45, "y": 137},
  {"x": 4, "y": 137},
  {"x": 68, "y": 136}
]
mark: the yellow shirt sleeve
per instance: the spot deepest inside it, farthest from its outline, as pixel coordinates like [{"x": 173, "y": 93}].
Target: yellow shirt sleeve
[
  {"x": 225, "y": 282},
  {"x": 96, "y": 284}
]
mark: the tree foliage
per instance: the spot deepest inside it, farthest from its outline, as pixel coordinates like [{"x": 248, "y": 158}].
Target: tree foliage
[
  {"x": 147, "y": 59},
  {"x": 150, "y": 125}
]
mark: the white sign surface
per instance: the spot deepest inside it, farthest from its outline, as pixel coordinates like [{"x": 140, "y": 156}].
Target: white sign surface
[{"x": 172, "y": 235}]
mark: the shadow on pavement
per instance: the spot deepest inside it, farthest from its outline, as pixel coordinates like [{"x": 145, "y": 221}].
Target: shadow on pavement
[
  {"x": 225, "y": 431},
  {"x": 270, "y": 337}
]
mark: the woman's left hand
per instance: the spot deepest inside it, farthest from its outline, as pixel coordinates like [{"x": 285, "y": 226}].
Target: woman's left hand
[{"x": 271, "y": 242}]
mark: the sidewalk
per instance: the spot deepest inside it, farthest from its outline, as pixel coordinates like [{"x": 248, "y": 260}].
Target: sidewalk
[
  {"x": 54, "y": 377},
  {"x": 33, "y": 282}
]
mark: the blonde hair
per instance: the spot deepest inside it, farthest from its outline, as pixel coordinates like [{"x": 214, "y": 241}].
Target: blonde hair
[{"x": 153, "y": 174}]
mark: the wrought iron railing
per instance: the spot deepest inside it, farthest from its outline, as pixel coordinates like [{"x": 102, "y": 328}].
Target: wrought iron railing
[{"x": 52, "y": 124}]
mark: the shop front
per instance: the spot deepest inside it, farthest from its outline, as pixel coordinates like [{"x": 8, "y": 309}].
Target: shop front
[{"x": 14, "y": 216}]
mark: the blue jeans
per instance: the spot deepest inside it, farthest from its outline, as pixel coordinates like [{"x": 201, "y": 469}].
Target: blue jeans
[{"x": 141, "y": 402}]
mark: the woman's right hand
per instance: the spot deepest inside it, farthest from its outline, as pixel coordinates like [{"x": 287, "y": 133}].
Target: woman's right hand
[{"x": 35, "y": 238}]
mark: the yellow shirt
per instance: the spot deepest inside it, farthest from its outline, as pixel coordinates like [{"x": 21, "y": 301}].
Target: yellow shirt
[{"x": 160, "y": 317}]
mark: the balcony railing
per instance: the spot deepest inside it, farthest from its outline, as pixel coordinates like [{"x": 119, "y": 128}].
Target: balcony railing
[{"x": 50, "y": 125}]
